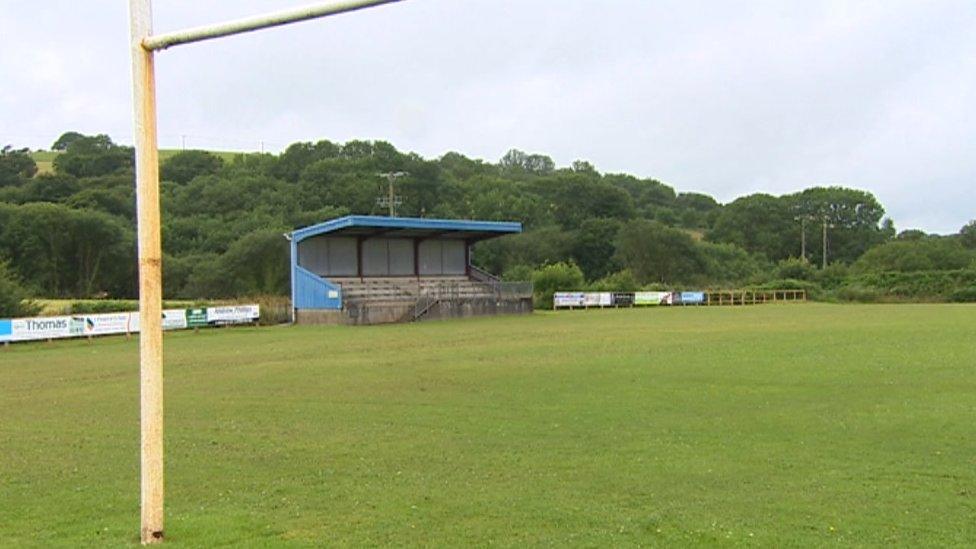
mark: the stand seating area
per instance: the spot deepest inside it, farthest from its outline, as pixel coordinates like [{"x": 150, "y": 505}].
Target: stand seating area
[{"x": 411, "y": 289}]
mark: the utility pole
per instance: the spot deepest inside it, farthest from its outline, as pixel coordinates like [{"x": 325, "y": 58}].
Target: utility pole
[
  {"x": 803, "y": 218},
  {"x": 391, "y": 200},
  {"x": 824, "y": 242},
  {"x": 803, "y": 239}
]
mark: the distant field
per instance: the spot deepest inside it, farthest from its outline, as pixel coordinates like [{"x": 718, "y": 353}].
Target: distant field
[
  {"x": 45, "y": 159},
  {"x": 788, "y": 425}
]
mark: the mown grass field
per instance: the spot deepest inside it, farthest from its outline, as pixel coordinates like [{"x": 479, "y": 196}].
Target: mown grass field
[{"x": 788, "y": 425}]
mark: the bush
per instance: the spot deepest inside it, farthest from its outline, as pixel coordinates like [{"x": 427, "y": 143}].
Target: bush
[
  {"x": 623, "y": 281},
  {"x": 101, "y": 306},
  {"x": 727, "y": 264},
  {"x": 964, "y": 295},
  {"x": 858, "y": 294},
  {"x": 921, "y": 285},
  {"x": 833, "y": 276},
  {"x": 795, "y": 269},
  {"x": 928, "y": 254},
  {"x": 557, "y": 277},
  {"x": 517, "y": 273},
  {"x": 98, "y": 307}
]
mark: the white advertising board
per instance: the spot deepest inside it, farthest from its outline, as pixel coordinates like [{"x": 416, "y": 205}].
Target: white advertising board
[
  {"x": 598, "y": 299},
  {"x": 51, "y": 327},
  {"x": 56, "y": 327},
  {"x": 235, "y": 314},
  {"x": 104, "y": 324},
  {"x": 568, "y": 299}
]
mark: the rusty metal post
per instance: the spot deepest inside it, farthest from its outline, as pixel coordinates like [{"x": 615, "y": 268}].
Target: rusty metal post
[
  {"x": 150, "y": 274},
  {"x": 142, "y": 46}
]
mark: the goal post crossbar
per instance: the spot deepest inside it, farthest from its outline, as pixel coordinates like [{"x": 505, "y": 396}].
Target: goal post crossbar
[{"x": 248, "y": 24}]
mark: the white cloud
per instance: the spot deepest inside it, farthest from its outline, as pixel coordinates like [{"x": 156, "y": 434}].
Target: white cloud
[{"x": 725, "y": 98}]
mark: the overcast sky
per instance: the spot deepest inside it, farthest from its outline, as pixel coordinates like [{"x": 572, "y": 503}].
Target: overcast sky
[{"x": 727, "y": 98}]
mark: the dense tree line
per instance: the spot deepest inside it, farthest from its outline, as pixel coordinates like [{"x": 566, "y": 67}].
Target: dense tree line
[{"x": 69, "y": 232}]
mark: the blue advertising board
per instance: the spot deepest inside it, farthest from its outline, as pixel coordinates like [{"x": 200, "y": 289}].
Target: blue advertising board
[
  {"x": 6, "y": 329},
  {"x": 692, "y": 298}
]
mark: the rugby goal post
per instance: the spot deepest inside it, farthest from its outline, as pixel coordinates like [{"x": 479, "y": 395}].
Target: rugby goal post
[{"x": 143, "y": 46}]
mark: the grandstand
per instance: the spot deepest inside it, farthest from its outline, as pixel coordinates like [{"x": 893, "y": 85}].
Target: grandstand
[{"x": 371, "y": 270}]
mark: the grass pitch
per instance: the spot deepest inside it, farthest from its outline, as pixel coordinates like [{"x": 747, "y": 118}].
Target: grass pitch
[{"x": 772, "y": 425}]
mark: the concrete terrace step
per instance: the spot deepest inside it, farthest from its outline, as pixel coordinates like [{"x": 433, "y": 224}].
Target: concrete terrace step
[{"x": 408, "y": 288}]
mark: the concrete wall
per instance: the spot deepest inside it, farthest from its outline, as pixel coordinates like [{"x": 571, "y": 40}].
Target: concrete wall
[
  {"x": 320, "y": 316},
  {"x": 385, "y": 313},
  {"x": 477, "y": 307}
]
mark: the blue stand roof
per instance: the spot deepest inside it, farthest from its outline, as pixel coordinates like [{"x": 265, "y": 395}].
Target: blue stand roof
[{"x": 408, "y": 227}]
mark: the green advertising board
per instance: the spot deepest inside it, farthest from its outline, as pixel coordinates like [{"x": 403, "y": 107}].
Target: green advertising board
[{"x": 196, "y": 318}]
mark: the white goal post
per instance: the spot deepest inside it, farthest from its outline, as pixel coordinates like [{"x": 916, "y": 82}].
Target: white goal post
[{"x": 143, "y": 44}]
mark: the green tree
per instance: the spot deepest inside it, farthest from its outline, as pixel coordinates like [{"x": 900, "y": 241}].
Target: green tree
[
  {"x": 66, "y": 139},
  {"x": 967, "y": 235},
  {"x": 726, "y": 265},
  {"x": 621, "y": 281},
  {"x": 13, "y": 297},
  {"x": 852, "y": 217},
  {"x": 656, "y": 253},
  {"x": 759, "y": 223},
  {"x": 593, "y": 247},
  {"x": 14, "y": 301},
  {"x": 258, "y": 263},
  {"x": 92, "y": 156},
  {"x": 50, "y": 187},
  {"x": 574, "y": 197},
  {"x": 183, "y": 166},
  {"x": 16, "y": 166},
  {"x": 516, "y": 161},
  {"x": 536, "y": 247},
  {"x": 298, "y": 156},
  {"x": 68, "y": 253}
]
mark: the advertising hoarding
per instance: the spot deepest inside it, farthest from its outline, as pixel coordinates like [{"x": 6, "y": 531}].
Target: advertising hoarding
[
  {"x": 233, "y": 314},
  {"x": 56, "y": 327},
  {"x": 651, "y": 298},
  {"x": 52, "y": 327},
  {"x": 568, "y": 299},
  {"x": 623, "y": 299},
  {"x": 196, "y": 318},
  {"x": 104, "y": 324},
  {"x": 173, "y": 319}
]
